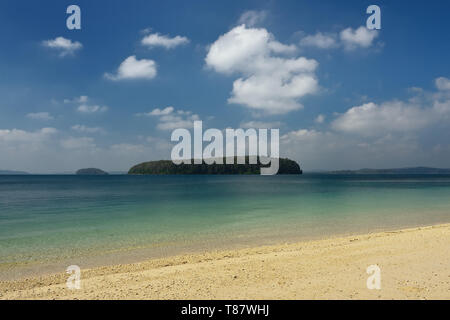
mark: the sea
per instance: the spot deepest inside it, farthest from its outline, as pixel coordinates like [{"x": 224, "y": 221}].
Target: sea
[{"x": 48, "y": 222}]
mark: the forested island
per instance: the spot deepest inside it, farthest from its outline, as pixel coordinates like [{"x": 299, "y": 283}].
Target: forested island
[
  {"x": 161, "y": 167},
  {"x": 91, "y": 171}
]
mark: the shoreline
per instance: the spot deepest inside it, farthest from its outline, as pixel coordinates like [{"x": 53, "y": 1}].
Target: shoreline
[
  {"x": 414, "y": 262},
  {"x": 253, "y": 238}
]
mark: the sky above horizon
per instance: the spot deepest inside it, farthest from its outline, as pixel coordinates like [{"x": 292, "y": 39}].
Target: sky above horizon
[{"x": 110, "y": 94}]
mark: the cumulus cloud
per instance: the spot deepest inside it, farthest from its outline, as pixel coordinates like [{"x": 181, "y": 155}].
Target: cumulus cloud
[
  {"x": 348, "y": 39},
  {"x": 393, "y": 133},
  {"x": 63, "y": 46},
  {"x": 359, "y": 38},
  {"x": 320, "y": 40},
  {"x": 320, "y": 118},
  {"x": 268, "y": 80},
  {"x": 84, "y": 108},
  {"x": 252, "y": 17},
  {"x": 179, "y": 120},
  {"x": 17, "y": 135},
  {"x": 40, "y": 116},
  {"x": 169, "y": 118},
  {"x": 157, "y": 112},
  {"x": 132, "y": 68},
  {"x": 158, "y": 40},
  {"x": 84, "y": 105},
  {"x": 84, "y": 129},
  {"x": 247, "y": 50},
  {"x": 442, "y": 83},
  {"x": 373, "y": 119}
]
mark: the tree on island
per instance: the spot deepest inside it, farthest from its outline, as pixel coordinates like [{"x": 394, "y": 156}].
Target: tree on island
[
  {"x": 286, "y": 166},
  {"x": 91, "y": 171}
]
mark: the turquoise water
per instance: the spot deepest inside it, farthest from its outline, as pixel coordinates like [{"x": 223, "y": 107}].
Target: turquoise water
[{"x": 77, "y": 218}]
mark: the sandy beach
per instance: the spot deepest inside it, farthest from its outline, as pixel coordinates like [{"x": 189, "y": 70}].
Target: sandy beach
[{"x": 414, "y": 263}]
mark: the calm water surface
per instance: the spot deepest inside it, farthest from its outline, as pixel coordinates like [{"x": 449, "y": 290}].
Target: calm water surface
[{"x": 77, "y": 219}]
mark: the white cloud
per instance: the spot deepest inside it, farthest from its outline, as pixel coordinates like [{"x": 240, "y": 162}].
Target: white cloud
[
  {"x": 443, "y": 83},
  {"x": 320, "y": 118},
  {"x": 319, "y": 40},
  {"x": 335, "y": 150},
  {"x": 50, "y": 151},
  {"x": 170, "y": 122},
  {"x": 22, "y": 149},
  {"x": 158, "y": 40},
  {"x": 40, "y": 116},
  {"x": 84, "y": 108},
  {"x": 131, "y": 68},
  {"x": 441, "y": 109},
  {"x": 169, "y": 119},
  {"x": 63, "y": 46},
  {"x": 301, "y": 134},
  {"x": 157, "y": 112},
  {"x": 80, "y": 99},
  {"x": 261, "y": 125},
  {"x": 372, "y": 119},
  {"x": 78, "y": 143},
  {"x": 387, "y": 134},
  {"x": 361, "y": 37},
  {"x": 348, "y": 39},
  {"x": 269, "y": 81},
  {"x": 252, "y": 17},
  {"x": 17, "y": 135},
  {"x": 85, "y": 129}
]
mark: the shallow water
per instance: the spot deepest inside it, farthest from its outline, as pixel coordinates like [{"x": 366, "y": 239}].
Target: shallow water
[{"x": 46, "y": 219}]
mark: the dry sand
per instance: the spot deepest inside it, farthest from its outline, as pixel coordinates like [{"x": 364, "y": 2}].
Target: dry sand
[{"x": 415, "y": 264}]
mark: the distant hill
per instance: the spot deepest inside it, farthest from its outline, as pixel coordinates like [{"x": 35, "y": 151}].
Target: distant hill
[
  {"x": 415, "y": 170},
  {"x": 91, "y": 171},
  {"x": 12, "y": 172},
  {"x": 287, "y": 166}
]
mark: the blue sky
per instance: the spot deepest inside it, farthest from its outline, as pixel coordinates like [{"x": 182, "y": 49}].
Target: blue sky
[{"x": 342, "y": 96}]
